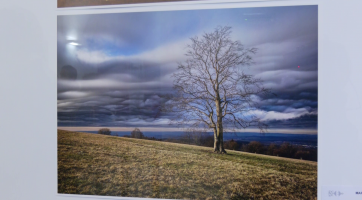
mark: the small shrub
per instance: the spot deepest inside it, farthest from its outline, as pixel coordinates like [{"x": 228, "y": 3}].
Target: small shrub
[
  {"x": 231, "y": 144},
  {"x": 136, "y": 133},
  {"x": 104, "y": 131},
  {"x": 254, "y": 147},
  {"x": 271, "y": 149},
  {"x": 287, "y": 150}
]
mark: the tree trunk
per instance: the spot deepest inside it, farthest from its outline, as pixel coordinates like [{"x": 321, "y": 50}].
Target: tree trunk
[
  {"x": 220, "y": 133},
  {"x": 219, "y": 128},
  {"x": 216, "y": 141}
]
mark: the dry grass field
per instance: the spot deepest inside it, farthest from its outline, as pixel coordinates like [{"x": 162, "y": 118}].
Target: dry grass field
[
  {"x": 76, "y": 3},
  {"x": 95, "y": 164}
]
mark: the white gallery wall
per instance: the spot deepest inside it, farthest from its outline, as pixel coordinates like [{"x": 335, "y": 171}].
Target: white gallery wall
[{"x": 28, "y": 92}]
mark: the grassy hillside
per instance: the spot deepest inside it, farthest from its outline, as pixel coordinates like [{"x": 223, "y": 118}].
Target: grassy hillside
[{"x": 108, "y": 165}]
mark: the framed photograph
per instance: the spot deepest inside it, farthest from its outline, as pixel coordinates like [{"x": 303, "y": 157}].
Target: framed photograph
[{"x": 189, "y": 104}]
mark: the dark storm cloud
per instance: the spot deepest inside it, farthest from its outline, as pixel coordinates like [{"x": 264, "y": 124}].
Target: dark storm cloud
[{"x": 118, "y": 69}]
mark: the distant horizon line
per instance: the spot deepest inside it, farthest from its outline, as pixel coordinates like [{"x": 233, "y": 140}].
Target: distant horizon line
[{"x": 157, "y": 129}]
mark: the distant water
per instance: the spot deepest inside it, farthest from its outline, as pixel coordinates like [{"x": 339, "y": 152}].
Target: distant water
[{"x": 267, "y": 138}]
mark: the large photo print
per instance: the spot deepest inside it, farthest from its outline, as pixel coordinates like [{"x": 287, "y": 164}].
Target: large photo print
[{"x": 192, "y": 104}]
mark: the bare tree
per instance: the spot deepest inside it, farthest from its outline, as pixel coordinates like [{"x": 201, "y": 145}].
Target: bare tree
[
  {"x": 136, "y": 133},
  {"x": 104, "y": 131},
  {"x": 212, "y": 90}
]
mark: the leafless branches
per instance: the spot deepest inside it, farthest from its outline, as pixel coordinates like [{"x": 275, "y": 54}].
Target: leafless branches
[{"x": 212, "y": 90}]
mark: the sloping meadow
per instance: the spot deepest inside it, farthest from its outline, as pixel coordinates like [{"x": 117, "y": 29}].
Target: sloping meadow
[{"x": 95, "y": 164}]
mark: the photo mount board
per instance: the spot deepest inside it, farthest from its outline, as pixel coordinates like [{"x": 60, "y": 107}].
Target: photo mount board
[{"x": 58, "y": 36}]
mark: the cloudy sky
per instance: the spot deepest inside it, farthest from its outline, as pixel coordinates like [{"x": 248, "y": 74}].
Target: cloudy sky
[{"x": 115, "y": 69}]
